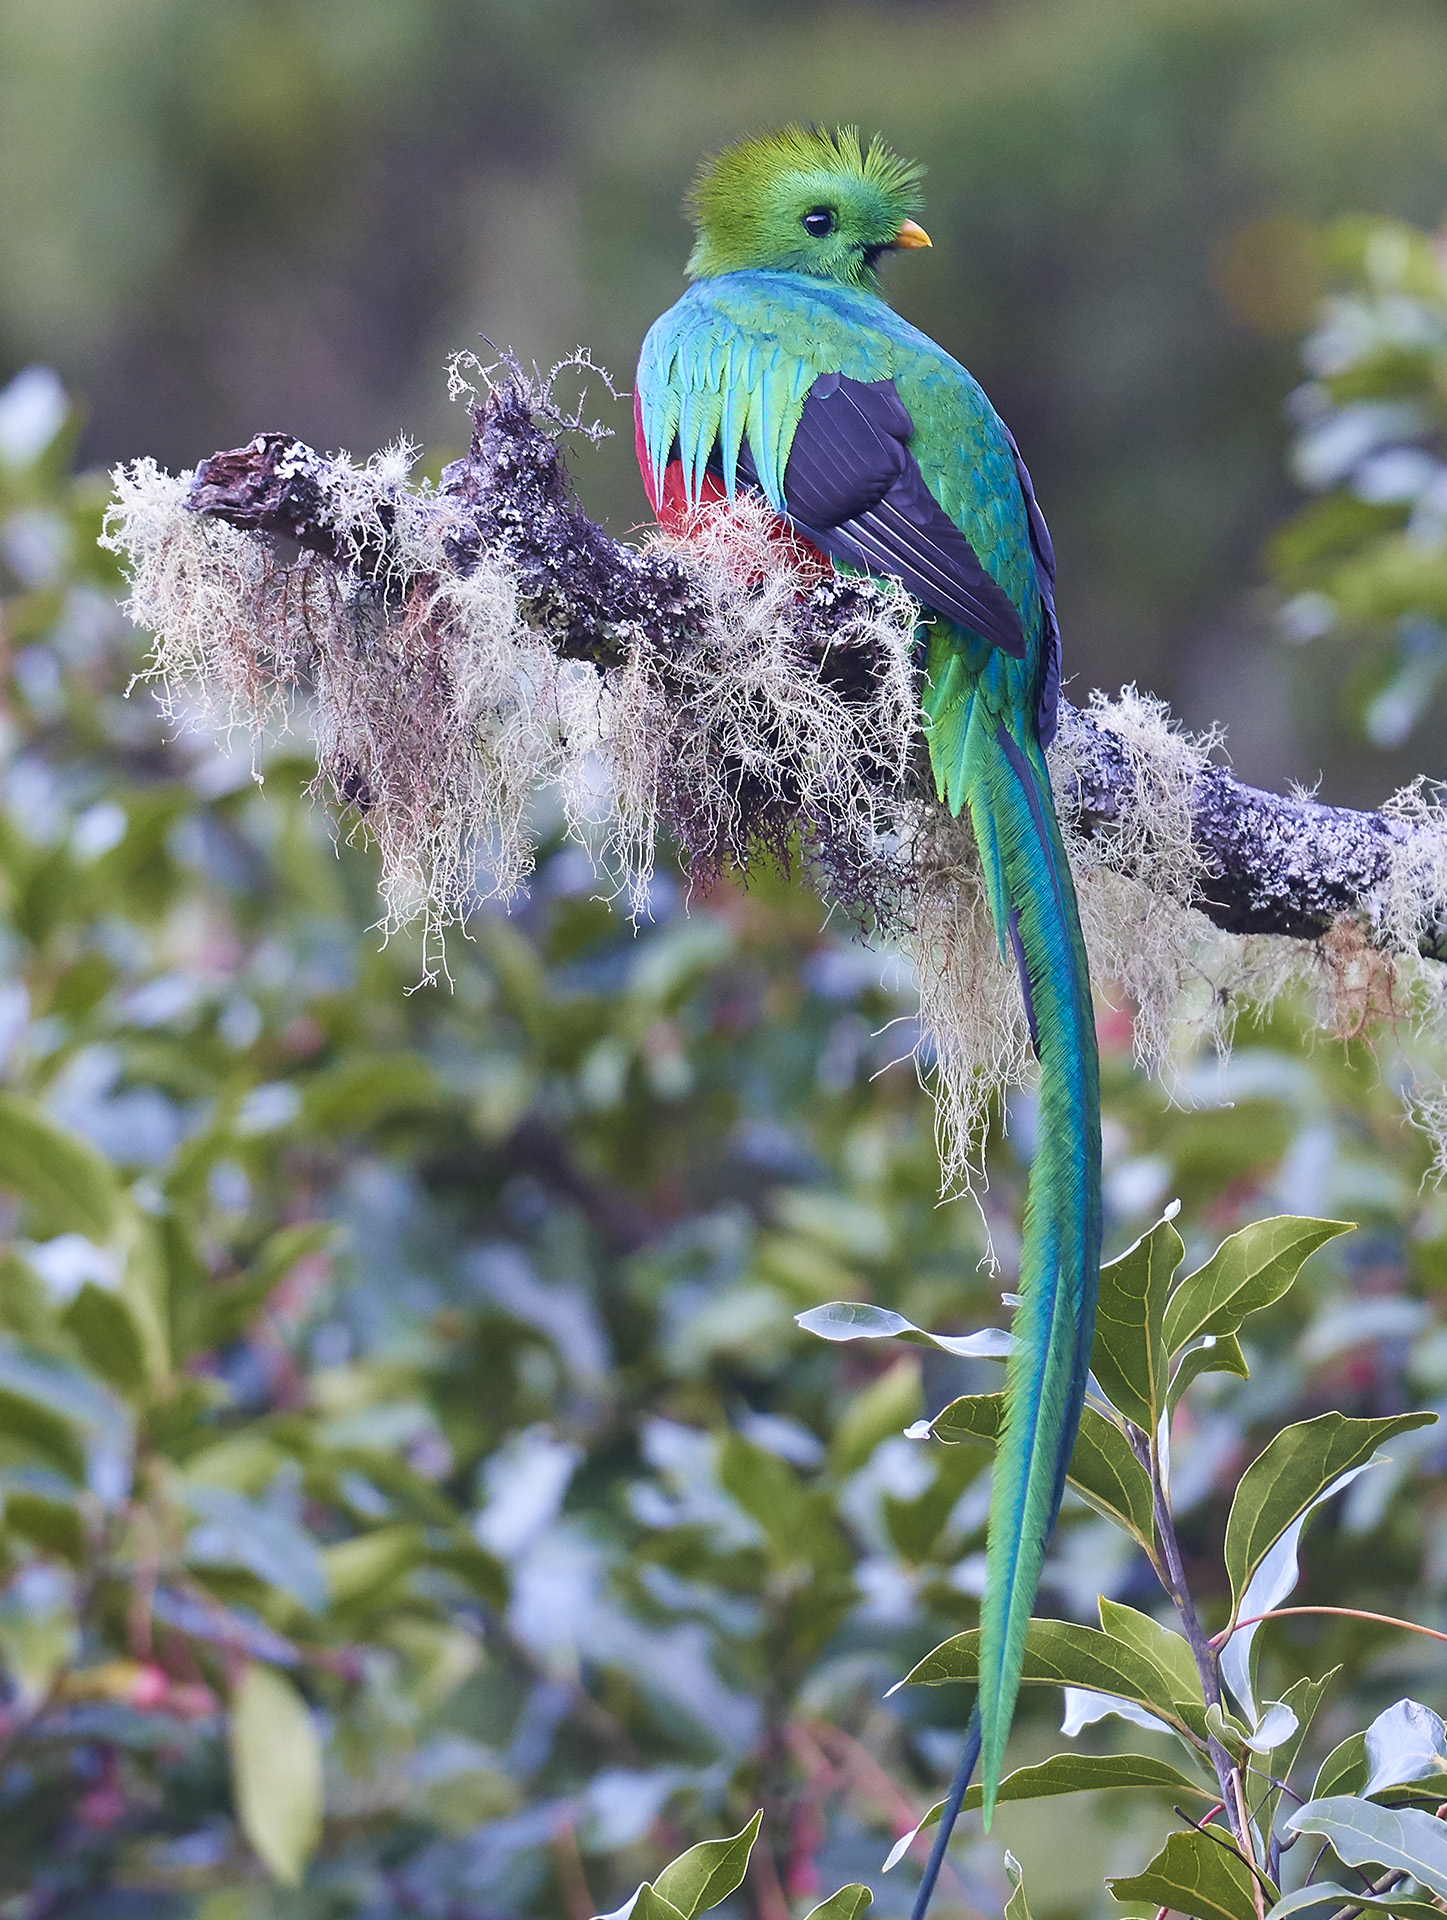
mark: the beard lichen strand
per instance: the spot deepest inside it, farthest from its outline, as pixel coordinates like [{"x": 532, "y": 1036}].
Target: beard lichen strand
[{"x": 730, "y": 741}]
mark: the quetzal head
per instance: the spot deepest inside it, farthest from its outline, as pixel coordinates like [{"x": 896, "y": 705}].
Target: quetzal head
[{"x": 804, "y": 201}]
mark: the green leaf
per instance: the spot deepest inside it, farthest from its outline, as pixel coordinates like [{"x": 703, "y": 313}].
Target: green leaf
[
  {"x": 1223, "y": 1355},
  {"x": 52, "y": 1525},
  {"x": 361, "y": 1568},
  {"x": 103, "y": 1327},
  {"x": 1282, "y": 1481},
  {"x": 276, "y": 1771},
  {"x": 1192, "y": 1874},
  {"x": 1344, "y": 1769},
  {"x": 26, "y": 1305},
  {"x": 1017, "y": 1907},
  {"x": 649, "y": 1904},
  {"x": 1129, "y": 1355},
  {"x": 1363, "y": 1833},
  {"x": 359, "y": 1093},
  {"x": 1063, "y": 1654},
  {"x": 1303, "y": 1697},
  {"x": 474, "y": 1566},
  {"x": 885, "y": 1407},
  {"x": 709, "y": 1872},
  {"x": 858, "y": 1320},
  {"x": 227, "y": 1310},
  {"x": 236, "y": 1532},
  {"x": 1169, "y": 1653},
  {"x": 1322, "y": 1892},
  {"x": 974, "y": 1416},
  {"x": 1067, "y": 1773},
  {"x": 847, "y": 1904},
  {"x": 65, "y": 1184},
  {"x": 146, "y": 1290},
  {"x": 797, "y": 1521},
  {"x": 1248, "y": 1271},
  {"x": 1103, "y": 1470},
  {"x": 45, "y": 1432}
]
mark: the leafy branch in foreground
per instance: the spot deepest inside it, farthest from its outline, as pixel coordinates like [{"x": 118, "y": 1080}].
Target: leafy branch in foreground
[{"x": 1156, "y": 1335}]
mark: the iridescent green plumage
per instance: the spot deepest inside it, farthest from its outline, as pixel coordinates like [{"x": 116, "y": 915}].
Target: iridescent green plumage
[{"x": 738, "y": 381}]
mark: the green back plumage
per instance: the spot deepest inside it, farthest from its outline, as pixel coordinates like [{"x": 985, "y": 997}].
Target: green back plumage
[{"x": 770, "y": 310}]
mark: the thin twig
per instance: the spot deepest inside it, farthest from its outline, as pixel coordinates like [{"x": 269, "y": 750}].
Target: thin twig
[
  {"x": 568, "y": 1864},
  {"x": 1201, "y": 1649},
  {"x": 1346, "y": 1613},
  {"x": 869, "y": 1780},
  {"x": 1259, "y": 1882}
]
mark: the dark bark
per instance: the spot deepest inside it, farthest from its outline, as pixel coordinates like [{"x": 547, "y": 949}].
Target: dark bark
[{"x": 1273, "y": 864}]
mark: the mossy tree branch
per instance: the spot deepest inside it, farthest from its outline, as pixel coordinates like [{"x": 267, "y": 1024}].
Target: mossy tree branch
[{"x": 1271, "y": 864}]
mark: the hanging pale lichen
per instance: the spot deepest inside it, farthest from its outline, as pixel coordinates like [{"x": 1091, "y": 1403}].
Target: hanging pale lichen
[{"x": 781, "y": 717}]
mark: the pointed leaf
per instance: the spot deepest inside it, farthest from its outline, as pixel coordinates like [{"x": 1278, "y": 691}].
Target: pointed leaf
[
  {"x": 1084, "y": 1708},
  {"x": 1284, "y": 1480},
  {"x": 52, "y": 1525},
  {"x": 1248, "y": 1271},
  {"x": 1169, "y": 1653},
  {"x": 43, "y": 1431},
  {"x": 1327, "y": 1892},
  {"x": 858, "y": 1320},
  {"x": 1277, "y": 1725},
  {"x": 1303, "y": 1697},
  {"x": 797, "y": 1519},
  {"x": 1193, "y": 1874},
  {"x": 709, "y": 1872},
  {"x": 1103, "y": 1470},
  {"x": 1067, "y": 1773},
  {"x": 1217, "y": 1353},
  {"x": 1129, "y": 1355},
  {"x": 103, "y": 1327},
  {"x": 1362, "y": 1833},
  {"x": 1407, "y": 1742},
  {"x": 847, "y": 1904},
  {"x": 650, "y": 1904},
  {"x": 1344, "y": 1769},
  {"x": 1064, "y": 1654},
  {"x": 1271, "y": 1583},
  {"x": 367, "y": 1565},
  {"x": 276, "y": 1772},
  {"x": 61, "y": 1179},
  {"x": 1016, "y": 1907},
  {"x": 237, "y": 1532}
]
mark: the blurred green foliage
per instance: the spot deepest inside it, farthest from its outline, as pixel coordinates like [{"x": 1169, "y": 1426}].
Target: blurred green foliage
[{"x": 1368, "y": 557}]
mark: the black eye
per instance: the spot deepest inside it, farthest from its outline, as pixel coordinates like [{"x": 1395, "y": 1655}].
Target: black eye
[{"x": 818, "y": 221}]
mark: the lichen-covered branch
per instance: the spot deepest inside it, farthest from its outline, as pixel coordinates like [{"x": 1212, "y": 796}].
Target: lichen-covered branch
[
  {"x": 456, "y": 645},
  {"x": 1270, "y": 864}
]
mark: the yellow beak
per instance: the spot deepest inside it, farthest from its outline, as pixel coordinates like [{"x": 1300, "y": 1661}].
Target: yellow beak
[{"x": 912, "y": 235}]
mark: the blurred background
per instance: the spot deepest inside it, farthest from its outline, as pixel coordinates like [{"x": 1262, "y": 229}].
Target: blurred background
[{"x": 431, "y": 1354}]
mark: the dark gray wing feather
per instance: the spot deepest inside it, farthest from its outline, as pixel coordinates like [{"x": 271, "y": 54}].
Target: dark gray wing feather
[{"x": 853, "y": 487}]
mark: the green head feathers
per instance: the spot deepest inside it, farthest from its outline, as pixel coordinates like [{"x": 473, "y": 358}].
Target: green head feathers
[{"x": 804, "y": 201}]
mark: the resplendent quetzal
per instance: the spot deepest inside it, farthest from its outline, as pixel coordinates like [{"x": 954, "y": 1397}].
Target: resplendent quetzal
[{"x": 781, "y": 368}]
